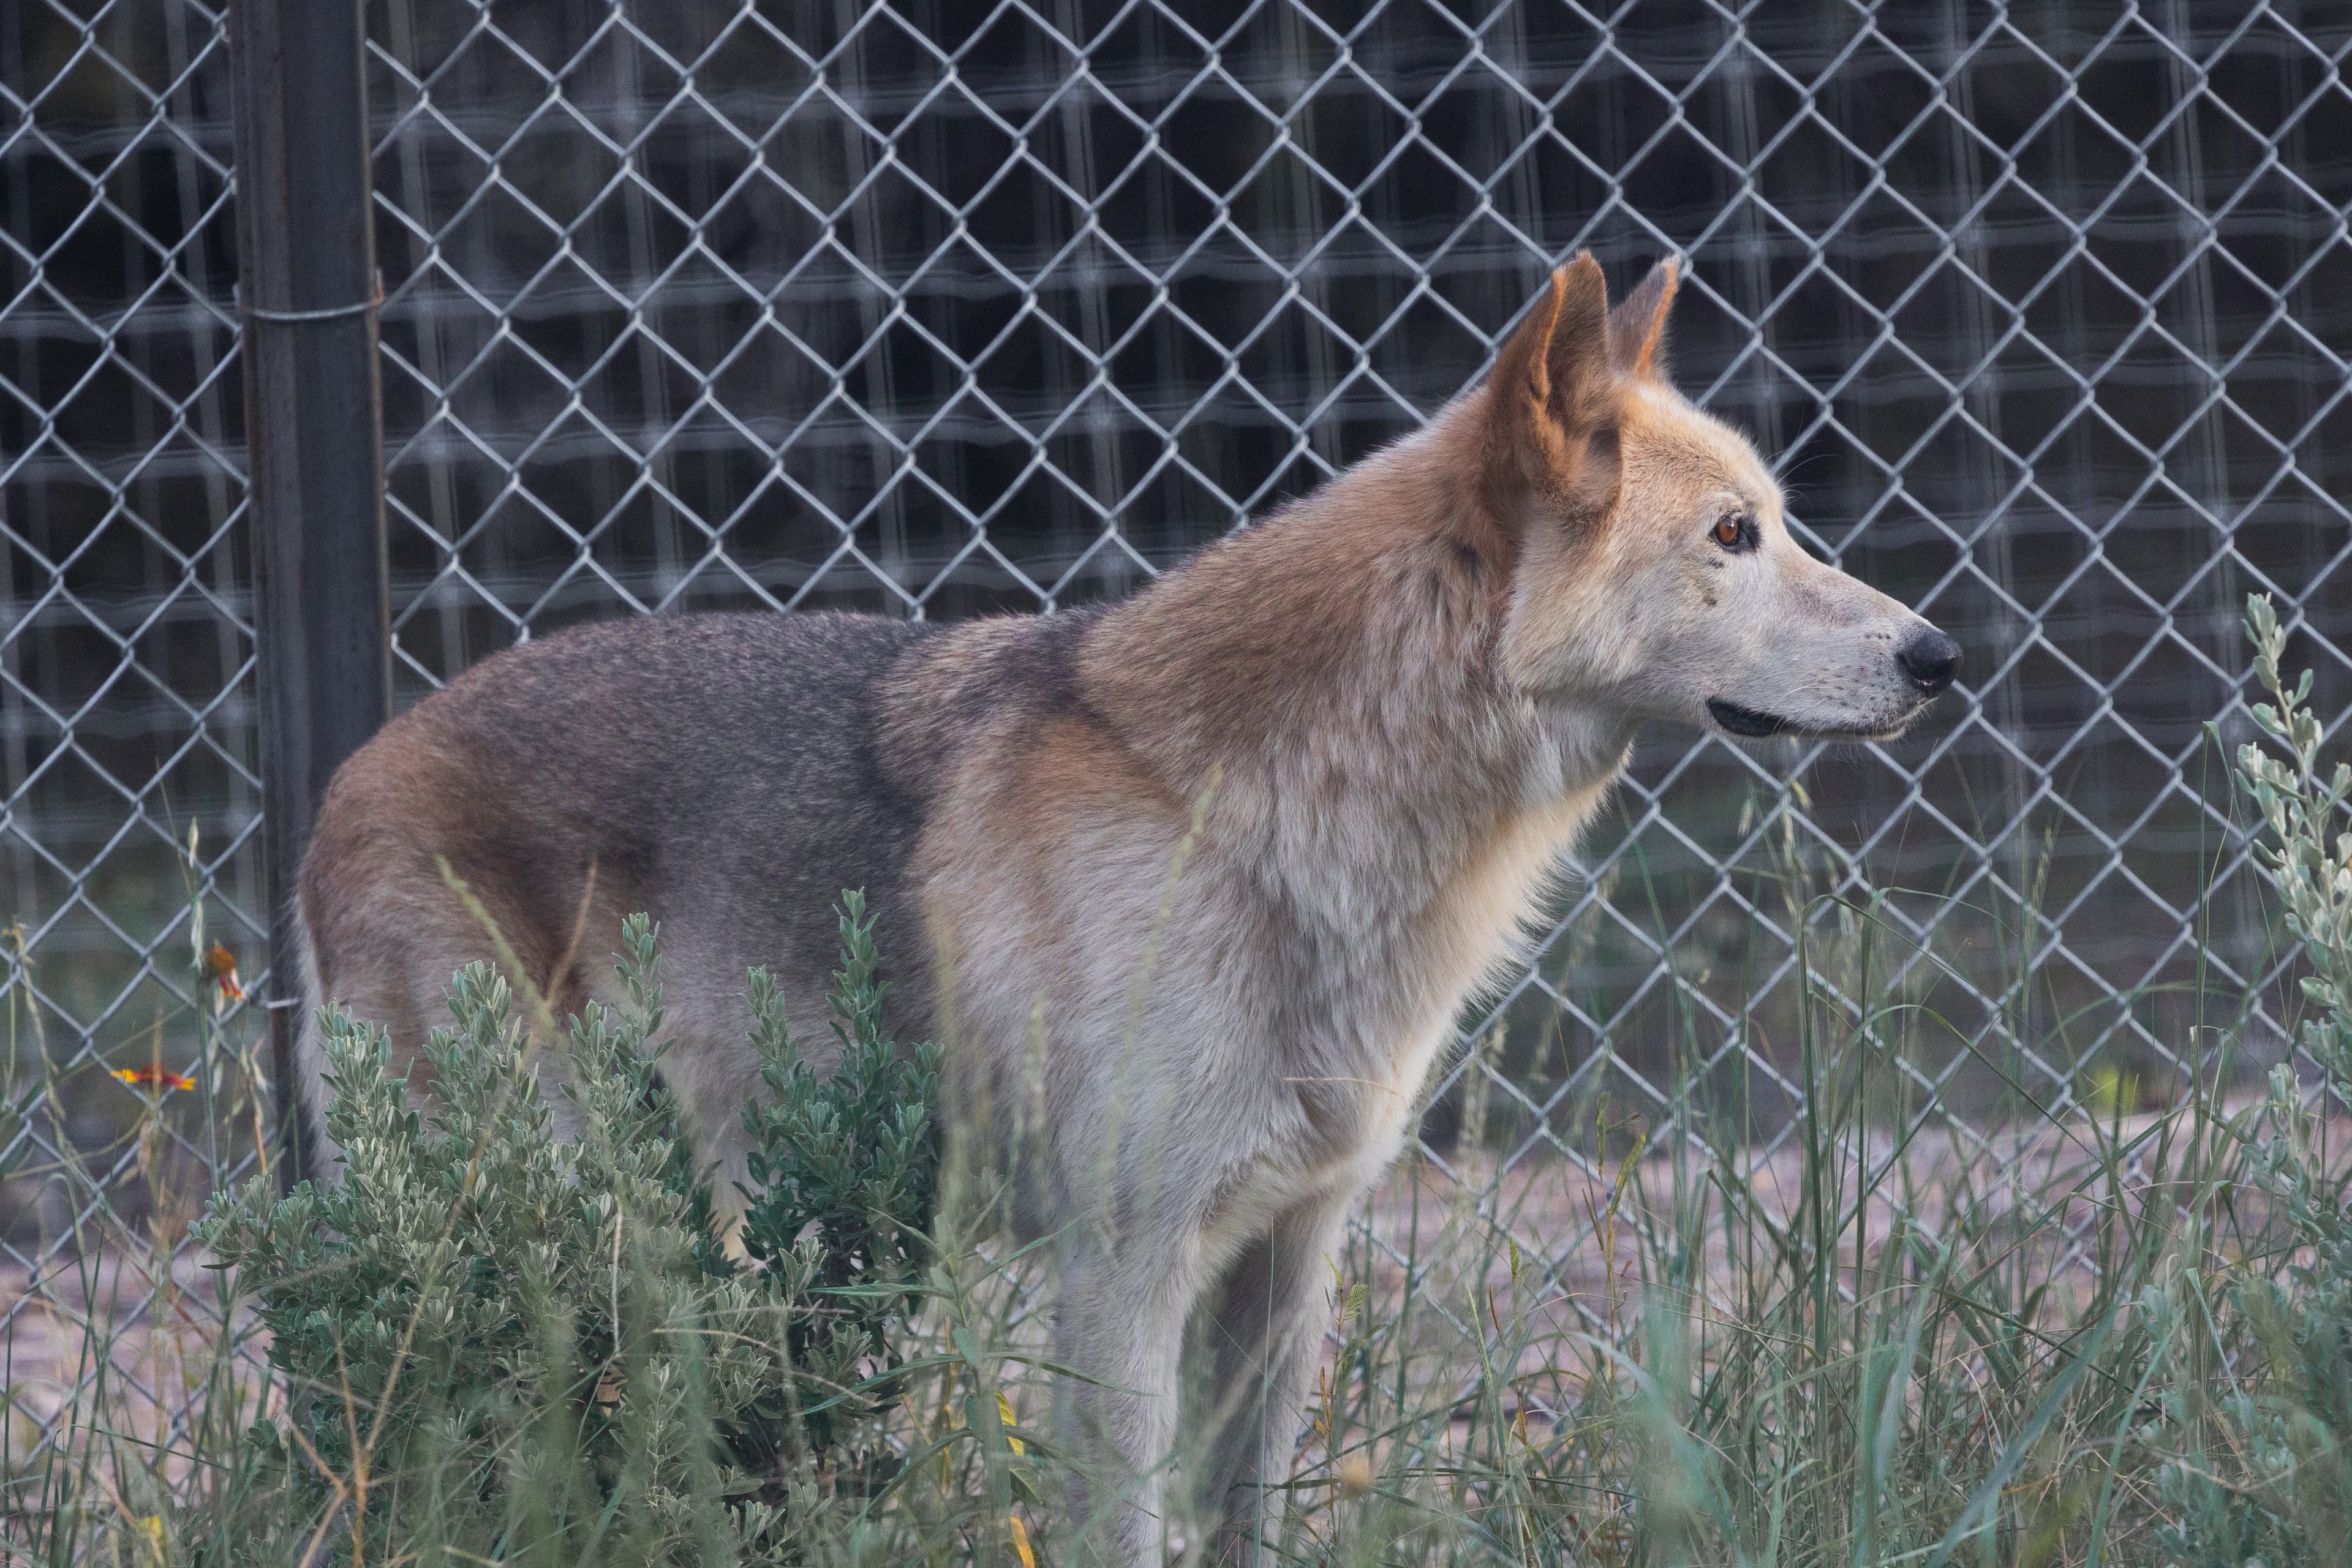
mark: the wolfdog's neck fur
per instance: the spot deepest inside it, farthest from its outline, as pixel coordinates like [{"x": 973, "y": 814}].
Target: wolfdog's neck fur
[{"x": 1340, "y": 667}]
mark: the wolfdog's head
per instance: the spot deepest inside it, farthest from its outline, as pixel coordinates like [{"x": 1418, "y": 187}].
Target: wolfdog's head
[{"x": 1655, "y": 570}]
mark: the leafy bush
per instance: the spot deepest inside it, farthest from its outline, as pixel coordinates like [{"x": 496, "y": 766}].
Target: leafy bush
[
  {"x": 2285, "y": 1426},
  {"x": 518, "y": 1345},
  {"x": 846, "y": 1165}
]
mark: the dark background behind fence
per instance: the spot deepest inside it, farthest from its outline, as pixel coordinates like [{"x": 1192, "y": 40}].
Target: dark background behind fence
[{"x": 949, "y": 309}]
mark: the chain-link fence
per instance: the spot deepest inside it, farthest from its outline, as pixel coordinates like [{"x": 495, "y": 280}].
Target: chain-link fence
[{"x": 936, "y": 310}]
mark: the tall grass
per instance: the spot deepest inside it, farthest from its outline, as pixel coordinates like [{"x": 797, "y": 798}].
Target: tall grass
[{"x": 2088, "y": 1334}]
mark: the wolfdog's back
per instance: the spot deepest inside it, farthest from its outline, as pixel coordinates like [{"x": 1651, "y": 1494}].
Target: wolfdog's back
[{"x": 718, "y": 771}]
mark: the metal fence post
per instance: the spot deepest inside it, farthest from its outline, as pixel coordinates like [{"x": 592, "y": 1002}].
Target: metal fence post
[{"x": 309, "y": 295}]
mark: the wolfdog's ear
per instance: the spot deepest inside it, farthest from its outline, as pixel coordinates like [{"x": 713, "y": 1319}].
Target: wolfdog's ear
[
  {"x": 1554, "y": 392},
  {"x": 1637, "y": 325},
  {"x": 1558, "y": 361}
]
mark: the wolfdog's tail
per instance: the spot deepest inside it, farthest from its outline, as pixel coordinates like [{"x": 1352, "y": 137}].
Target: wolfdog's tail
[{"x": 312, "y": 1151}]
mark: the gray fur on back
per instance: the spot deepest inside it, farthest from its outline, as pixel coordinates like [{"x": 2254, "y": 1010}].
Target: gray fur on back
[
  {"x": 731, "y": 759},
  {"x": 716, "y": 771}
]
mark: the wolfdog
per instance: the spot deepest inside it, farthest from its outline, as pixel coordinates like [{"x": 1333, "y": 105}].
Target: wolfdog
[{"x": 1206, "y": 876}]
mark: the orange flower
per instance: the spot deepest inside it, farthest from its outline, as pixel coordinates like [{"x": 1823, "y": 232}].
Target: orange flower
[
  {"x": 153, "y": 1078},
  {"x": 223, "y": 964}
]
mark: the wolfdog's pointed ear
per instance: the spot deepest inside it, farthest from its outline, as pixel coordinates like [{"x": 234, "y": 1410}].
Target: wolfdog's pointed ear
[
  {"x": 1558, "y": 361},
  {"x": 1637, "y": 326},
  {"x": 1638, "y": 323},
  {"x": 1553, "y": 389}
]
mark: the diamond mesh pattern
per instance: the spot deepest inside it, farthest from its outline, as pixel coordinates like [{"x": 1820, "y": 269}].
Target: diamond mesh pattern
[
  {"x": 126, "y": 651},
  {"x": 936, "y": 310}
]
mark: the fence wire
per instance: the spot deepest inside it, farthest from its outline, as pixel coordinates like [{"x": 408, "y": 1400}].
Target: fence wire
[{"x": 938, "y": 310}]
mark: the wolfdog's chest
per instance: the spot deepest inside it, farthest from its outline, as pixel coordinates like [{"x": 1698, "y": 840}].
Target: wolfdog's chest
[{"x": 1331, "y": 1113}]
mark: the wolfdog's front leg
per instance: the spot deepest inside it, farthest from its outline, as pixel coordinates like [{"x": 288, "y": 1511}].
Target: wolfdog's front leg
[
  {"x": 1263, "y": 1332},
  {"x": 1121, "y": 1326}
]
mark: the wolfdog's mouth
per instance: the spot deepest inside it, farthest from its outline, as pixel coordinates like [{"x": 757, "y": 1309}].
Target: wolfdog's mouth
[
  {"x": 1755, "y": 724},
  {"x": 1746, "y": 721}
]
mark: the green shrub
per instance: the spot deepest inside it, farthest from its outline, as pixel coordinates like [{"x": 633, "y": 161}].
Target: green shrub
[
  {"x": 517, "y": 1345},
  {"x": 846, "y": 1165},
  {"x": 2267, "y": 1474}
]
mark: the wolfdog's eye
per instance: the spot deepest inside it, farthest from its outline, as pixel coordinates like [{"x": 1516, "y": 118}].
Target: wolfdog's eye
[{"x": 1734, "y": 531}]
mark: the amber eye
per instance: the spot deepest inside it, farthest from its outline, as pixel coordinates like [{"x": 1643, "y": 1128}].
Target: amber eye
[{"x": 1733, "y": 532}]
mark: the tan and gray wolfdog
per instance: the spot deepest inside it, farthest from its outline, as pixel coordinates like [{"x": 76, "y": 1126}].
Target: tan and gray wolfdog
[{"x": 1206, "y": 876}]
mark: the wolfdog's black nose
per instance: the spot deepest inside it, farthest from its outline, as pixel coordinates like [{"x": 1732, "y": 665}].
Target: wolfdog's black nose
[{"x": 1929, "y": 659}]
